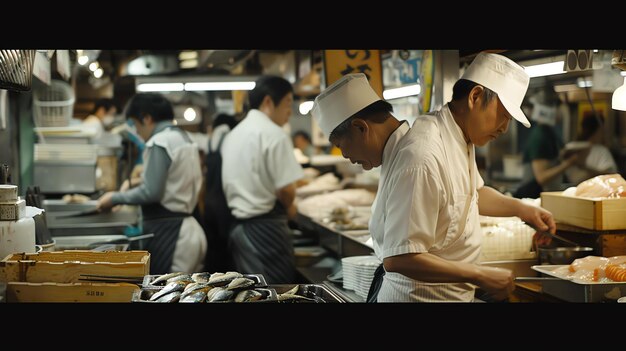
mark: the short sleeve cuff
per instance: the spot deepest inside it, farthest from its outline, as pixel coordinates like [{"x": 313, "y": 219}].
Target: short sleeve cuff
[{"x": 404, "y": 249}]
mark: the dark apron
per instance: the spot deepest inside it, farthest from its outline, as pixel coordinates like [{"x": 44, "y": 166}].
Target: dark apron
[
  {"x": 377, "y": 282},
  {"x": 262, "y": 245},
  {"x": 165, "y": 225}
]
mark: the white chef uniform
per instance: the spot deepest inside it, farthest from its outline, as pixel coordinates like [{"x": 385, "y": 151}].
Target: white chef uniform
[{"x": 421, "y": 203}]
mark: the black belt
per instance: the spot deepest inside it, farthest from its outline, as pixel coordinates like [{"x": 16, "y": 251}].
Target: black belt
[{"x": 377, "y": 282}]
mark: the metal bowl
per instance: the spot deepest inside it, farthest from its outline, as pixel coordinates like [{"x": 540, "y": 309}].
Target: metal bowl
[{"x": 562, "y": 255}]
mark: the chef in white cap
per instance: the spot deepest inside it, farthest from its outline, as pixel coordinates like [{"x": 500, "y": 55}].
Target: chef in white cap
[{"x": 424, "y": 221}]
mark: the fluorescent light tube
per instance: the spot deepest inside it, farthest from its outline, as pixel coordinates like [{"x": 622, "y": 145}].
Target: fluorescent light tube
[
  {"x": 397, "y": 93},
  {"x": 148, "y": 87},
  {"x": 545, "y": 69},
  {"x": 215, "y": 86}
]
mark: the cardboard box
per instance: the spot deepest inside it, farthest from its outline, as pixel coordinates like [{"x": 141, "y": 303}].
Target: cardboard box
[{"x": 70, "y": 292}]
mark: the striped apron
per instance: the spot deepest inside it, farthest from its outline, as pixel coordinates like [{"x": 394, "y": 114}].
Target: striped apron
[
  {"x": 165, "y": 225},
  {"x": 261, "y": 245}
]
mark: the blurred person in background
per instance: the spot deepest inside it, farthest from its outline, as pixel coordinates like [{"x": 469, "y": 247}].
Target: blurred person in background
[
  {"x": 596, "y": 159},
  {"x": 101, "y": 117},
  {"x": 543, "y": 166},
  {"x": 259, "y": 172},
  {"x": 302, "y": 141},
  {"x": 169, "y": 188}
]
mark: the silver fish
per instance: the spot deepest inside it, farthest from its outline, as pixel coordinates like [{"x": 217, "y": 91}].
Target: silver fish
[
  {"x": 201, "y": 277},
  {"x": 175, "y": 286},
  {"x": 240, "y": 283},
  {"x": 294, "y": 298},
  {"x": 162, "y": 279},
  {"x": 248, "y": 295},
  {"x": 223, "y": 279},
  {"x": 195, "y": 288},
  {"x": 171, "y": 297},
  {"x": 181, "y": 277},
  {"x": 220, "y": 294},
  {"x": 197, "y": 296}
]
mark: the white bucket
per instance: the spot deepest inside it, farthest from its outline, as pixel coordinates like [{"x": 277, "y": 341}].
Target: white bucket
[{"x": 17, "y": 236}]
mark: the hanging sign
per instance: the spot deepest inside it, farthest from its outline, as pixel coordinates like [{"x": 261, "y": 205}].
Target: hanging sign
[{"x": 338, "y": 63}]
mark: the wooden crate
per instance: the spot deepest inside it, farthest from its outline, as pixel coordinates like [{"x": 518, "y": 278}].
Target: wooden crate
[
  {"x": 70, "y": 292},
  {"x": 605, "y": 214},
  {"x": 68, "y": 266}
]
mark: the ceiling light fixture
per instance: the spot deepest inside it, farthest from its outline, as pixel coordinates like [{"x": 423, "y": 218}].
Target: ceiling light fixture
[
  {"x": 219, "y": 86},
  {"x": 305, "y": 107},
  {"x": 405, "y": 91},
  {"x": 98, "y": 73},
  {"x": 154, "y": 87},
  {"x": 82, "y": 60},
  {"x": 545, "y": 69},
  {"x": 619, "y": 98},
  {"x": 189, "y": 114},
  {"x": 188, "y": 55}
]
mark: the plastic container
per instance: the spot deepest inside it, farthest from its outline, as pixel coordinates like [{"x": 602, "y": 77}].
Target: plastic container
[
  {"x": 509, "y": 240},
  {"x": 53, "y": 105}
]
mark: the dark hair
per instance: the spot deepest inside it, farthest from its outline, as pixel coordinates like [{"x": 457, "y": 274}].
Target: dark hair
[
  {"x": 303, "y": 134},
  {"x": 224, "y": 118},
  {"x": 376, "y": 112},
  {"x": 105, "y": 102},
  {"x": 462, "y": 88},
  {"x": 589, "y": 125},
  {"x": 276, "y": 87},
  {"x": 153, "y": 104}
]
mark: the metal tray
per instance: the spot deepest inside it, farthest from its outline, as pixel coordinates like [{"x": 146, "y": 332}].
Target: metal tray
[
  {"x": 143, "y": 295},
  {"x": 319, "y": 293},
  {"x": 575, "y": 290},
  {"x": 258, "y": 278}
]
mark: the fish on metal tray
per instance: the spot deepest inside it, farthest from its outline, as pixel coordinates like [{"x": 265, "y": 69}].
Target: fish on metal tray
[
  {"x": 219, "y": 294},
  {"x": 197, "y": 287},
  {"x": 294, "y": 298},
  {"x": 197, "y": 296},
  {"x": 240, "y": 283},
  {"x": 224, "y": 279},
  {"x": 175, "y": 286},
  {"x": 202, "y": 277},
  {"x": 172, "y": 297},
  {"x": 248, "y": 295},
  {"x": 181, "y": 278},
  {"x": 162, "y": 279}
]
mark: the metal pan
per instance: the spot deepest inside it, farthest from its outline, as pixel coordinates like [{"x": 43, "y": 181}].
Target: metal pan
[{"x": 562, "y": 255}]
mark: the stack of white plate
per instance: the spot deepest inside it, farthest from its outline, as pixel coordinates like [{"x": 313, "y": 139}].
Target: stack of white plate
[{"x": 358, "y": 272}]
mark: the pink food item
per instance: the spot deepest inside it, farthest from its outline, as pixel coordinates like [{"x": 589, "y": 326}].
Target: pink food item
[{"x": 607, "y": 185}]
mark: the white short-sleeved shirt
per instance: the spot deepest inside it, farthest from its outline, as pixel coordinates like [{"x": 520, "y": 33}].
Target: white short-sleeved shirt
[
  {"x": 422, "y": 196},
  {"x": 599, "y": 159},
  {"x": 257, "y": 160}
]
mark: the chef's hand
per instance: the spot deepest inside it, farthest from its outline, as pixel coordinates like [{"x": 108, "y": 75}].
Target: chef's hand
[
  {"x": 537, "y": 217},
  {"x": 104, "y": 202},
  {"x": 497, "y": 282}
]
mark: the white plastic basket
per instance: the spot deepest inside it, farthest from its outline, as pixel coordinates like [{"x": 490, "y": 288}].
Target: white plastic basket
[{"x": 53, "y": 105}]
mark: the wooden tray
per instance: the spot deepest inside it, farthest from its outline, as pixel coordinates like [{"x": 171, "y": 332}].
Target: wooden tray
[{"x": 605, "y": 214}]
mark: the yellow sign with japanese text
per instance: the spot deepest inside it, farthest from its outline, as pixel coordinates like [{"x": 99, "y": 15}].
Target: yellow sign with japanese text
[{"x": 338, "y": 63}]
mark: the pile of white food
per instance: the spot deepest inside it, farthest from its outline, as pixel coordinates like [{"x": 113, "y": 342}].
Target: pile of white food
[{"x": 320, "y": 206}]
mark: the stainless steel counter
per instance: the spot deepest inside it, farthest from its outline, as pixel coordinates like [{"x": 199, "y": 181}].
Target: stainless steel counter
[{"x": 111, "y": 223}]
